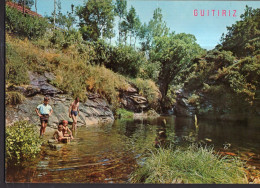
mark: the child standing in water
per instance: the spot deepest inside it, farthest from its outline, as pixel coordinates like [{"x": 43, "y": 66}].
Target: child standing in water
[
  {"x": 66, "y": 129},
  {"x": 44, "y": 111},
  {"x": 74, "y": 112}
]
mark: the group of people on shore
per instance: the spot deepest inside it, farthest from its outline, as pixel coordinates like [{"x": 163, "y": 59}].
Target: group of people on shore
[{"x": 63, "y": 133}]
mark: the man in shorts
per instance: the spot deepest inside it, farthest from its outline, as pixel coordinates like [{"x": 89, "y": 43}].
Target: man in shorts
[
  {"x": 44, "y": 111},
  {"x": 74, "y": 112}
]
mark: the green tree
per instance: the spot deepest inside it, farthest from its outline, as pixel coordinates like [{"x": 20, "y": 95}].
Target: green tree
[
  {"x": 120, "y": 10},
  {"x": 155, "y": 28},
  {"x": 124, "y": 30},
  {"x": 243, "y": 37},
  {"x": 133, "y": 23},
  {"x": 174, "y": 53},
  {"x": 63, "y": 21},
  {"x": 96, "y": 19}
]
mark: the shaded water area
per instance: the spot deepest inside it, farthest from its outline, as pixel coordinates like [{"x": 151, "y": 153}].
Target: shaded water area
[{"x": 109, "y": 153}]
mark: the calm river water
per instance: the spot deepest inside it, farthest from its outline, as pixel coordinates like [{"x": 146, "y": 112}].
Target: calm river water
[{"x": 109, "y": 153}]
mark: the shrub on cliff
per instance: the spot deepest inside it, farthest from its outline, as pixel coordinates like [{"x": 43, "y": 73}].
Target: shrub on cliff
[
  {"x": 148, "y": 89},
  {"x": 14, "y": 97},
  {"x": 22, "y": 142}
]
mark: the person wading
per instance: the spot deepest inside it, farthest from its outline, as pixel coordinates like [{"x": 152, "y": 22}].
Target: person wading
[
  {"x": 44, "y": 111},
  {"x": 74, "y": 112}
]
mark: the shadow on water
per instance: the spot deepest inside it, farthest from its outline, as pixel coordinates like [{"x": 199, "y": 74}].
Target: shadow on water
[{"x": 109, "y": 153}]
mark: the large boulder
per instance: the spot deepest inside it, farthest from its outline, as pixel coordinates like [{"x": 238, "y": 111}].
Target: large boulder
[{"x": 131, "y": 100}]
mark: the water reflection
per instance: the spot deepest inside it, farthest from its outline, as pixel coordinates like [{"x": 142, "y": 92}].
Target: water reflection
[{"x": 109, "y": 153}]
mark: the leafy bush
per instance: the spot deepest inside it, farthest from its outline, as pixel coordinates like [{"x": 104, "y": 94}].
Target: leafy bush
[
  {"x": 220, "y": 71},
  {"x": 13, "y": 98},
  {"x": 25, "y": 25},
  {"x": 126, "y": 60},
  {"x": 22, "y": 142},
  {"x": 122, "y": 59},
  {"x": 194, "y": 165}
]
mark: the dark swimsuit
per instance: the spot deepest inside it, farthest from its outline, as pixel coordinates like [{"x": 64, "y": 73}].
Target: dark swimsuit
[{"x": 75, "y": 113}]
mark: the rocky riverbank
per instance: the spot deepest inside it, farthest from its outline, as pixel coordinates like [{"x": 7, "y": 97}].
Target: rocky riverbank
[{"x": 95, "y": 110}]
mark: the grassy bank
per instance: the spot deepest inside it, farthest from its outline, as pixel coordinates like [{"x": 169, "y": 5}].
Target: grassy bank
[
  {"x": 194, "y": 165},
  {"x": 74, "y": 72}
]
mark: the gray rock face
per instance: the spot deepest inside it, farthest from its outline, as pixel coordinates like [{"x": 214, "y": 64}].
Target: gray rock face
[
  {"x": 182, "y": 107},
  {"x": 94, "y": 111},
  {"x": 38, "y": 85},
  {"x": 41, "y": 82}
]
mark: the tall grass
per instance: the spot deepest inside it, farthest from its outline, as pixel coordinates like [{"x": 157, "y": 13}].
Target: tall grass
[{"x": 194, "y": 165}]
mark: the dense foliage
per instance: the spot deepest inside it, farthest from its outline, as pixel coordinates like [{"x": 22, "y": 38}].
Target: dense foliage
[
  {"x": 227, "y": 82},
  {"x": 22, "y": 142},
  {"x": 126, "y": 60},
  {"x": 25, "y": 25},
  {"x": 243, "y": 37},
  {"x": 194, "y": 165}
]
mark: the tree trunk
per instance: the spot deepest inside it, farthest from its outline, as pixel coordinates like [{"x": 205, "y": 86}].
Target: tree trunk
[
  {"x": 54, "y": 16},
  {"x": 135, "y": 42},
  {"x": 119, "y": 31},
  {"x": 163, "y": 87},
  {"x": 36, "y": 6},
  {"x": 130, "y": 38},
  {"x": 125, "y": 38},
  {"x": 23, "y": 7}
]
